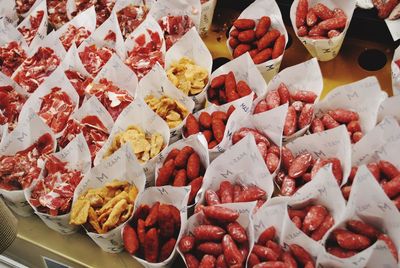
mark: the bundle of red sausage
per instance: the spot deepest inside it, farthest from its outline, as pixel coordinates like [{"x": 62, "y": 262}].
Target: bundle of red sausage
[
  {"x": 151, "y": 234},
  {"x": 259, "y": 39},
  {"x": 319, "y": 22},
  {"x": 180, "y": 168}
]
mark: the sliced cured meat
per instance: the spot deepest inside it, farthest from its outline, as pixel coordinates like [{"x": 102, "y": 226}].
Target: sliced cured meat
[
  {"x": 130, "y": 17},
  {"x": 23, "y": 6},
  {"x": 11, "y": 103},
  {"x": 18, "y": 171},
  {"x": 55, "y": 109},
  {"x": 174, "y": 27},
  {"x": 145, "y": 54},
  {"x": 103, "y": 8},
  {"x": 57, "y": 12},
  {"x": 74, "y": 35},
  {"x": 94, "y": 58},
  {"x": 79, "y": 82},
  {"x": 30, "y": 32},
  {"x": 11, "y": 57},
  {"x": 35, "y": 69},
  {"x": 112, "y": 97}
]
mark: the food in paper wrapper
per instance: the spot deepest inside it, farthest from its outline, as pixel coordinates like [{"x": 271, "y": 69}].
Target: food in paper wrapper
[
  {"x": 181, "y": 168},
  {"x": 268, "y": 150},
  {"x": 224, "y": 89},
  {"x": 130, "y": 17},
  {"x": 57, "y": 12},
  {"x": 300, "y": 169},
  {"x": 115, "y": 99},
  {"x": 74, "y": 35},
  {"x": 11, "y": 103},
  {"x": 94, "y": 58},
  {"x": 358, "y": 235},
  {"x": 36, "y": 69},
  {"x": 171, "y": 110},
  {"x": 334, "y": 118},
  {"x": 102, "y": 209},
  {"x": 314, "y": 220},
  {"x": 23, "y": 6},
  {"x": 235, "y": 193},
  {"x": 54, "y": 192},
  {"x": 103, "y": 9},
  {"x": 387, "y": 175},
  {"x": 187, "y": 76},
  {"x": 212, "y": 126},
  {"x": 30, "y": 32},
  {"x": 153, "y": 232},
  {"x": 386, "y": 9},
  {"x": 268, "y": 253},
  {"x": 145, "y": 54},
  {"x": 55, "y": 109},
  {"x": 174, "y": 27},
  {"x": 319, "y": 22},
  {"x": 18, "y": 171},
  {"x": 262, "y": 42},
  {"x": 79, "y": 82},
  {"x": 94, "y": 131},
  {"x": 11, "y": 57},
  {"x": 145, "y": 146},
  {"x": 220, "y": 239},
  {"x": 300, "y": 111}
]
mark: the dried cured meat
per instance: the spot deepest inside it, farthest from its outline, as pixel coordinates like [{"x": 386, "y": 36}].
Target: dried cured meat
[
  {"x": 23, "y": 6},
  {"x": 103, "y": 8},
  {"x": 79, "y": 82},
  {"x": 130, "y": 17},
  {"x": 94, "y": 58},
  {"x": 11, "y": 57},
  {"x": 57, "y": 12},
  {"x": 11, "y": 103},
  {"x": 74, "y": 35},
  {"x": 30, "y": 32},
  {"x": 174, "y": 27}
]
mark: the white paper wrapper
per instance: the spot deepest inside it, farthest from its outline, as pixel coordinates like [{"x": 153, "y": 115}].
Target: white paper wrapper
[
  {"x": 303, "y": 76},
  {"x": 242, "y": 108},
  {"x": 330, "y": 143},
  {"x": 176, "y": 196},
  {"x": 322, "y": 190},
  {"x": 193, "y": 47},
  {"x": 9, "y": 32},
  {"x": 109, "y": 26},
  {"x": 42, "y": 30},
  {"x": 156, "y": 83},
  {"x": 86, "y": 19},
  {"x": 123, "y": 166},
  {"x": 245, "y": 219},
  {"x": 8, "y": 12},
  {"x": 241, "y": 164},
  {"x": 390, "y": 107},
  {"x": 365, "y": 4},
  {"x": 363, "y": 97},
  {"x": 394, "y": 28},
  {"x": 191, "y": 8},
  {"x": 396, "y": 72},
  {"x": 199, "y": 145},
  {"x": 376, "y": 210},
  {"x": 255, "y": 11},
  {"x": 325, "y": 49},
  {"x": 24, "y": 135},
  {"x": 138, "y": 114},
  {"x": 56, "y": 79},
  {"x": 78, "y": 157},
  {"x": 71, "y": 61},
  {"x": 207, "y": 14},
  {"x": 37, "y": 2},
  {"x": 272, "y": 213},
  {"x": 149, "y": 24},
  {"x": 367, "y": 149},
  {"x": 244, "y": 69}
]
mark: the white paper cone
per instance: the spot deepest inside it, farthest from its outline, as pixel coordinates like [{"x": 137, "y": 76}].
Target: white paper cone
[
  {"x": 156, "y": 83},
  {"x": 35, "y": 4},
  {"x": 325, "y": 49},
  {"x": 396, "y": 72},
  {"x": 241, "y": 164},
  {"x": 255, "y": 11},
  {"x": 390, "y": 107},
  {"x": 78, "y": 157},
  {"x": 207, "y": 14},
  {"x": 122, "y": 165},
  {"x": 376, "y": 210},
  {"x": 322, "y": 190},
  {"x": 8, "y": 33},
  {"x": 363, "y": 97},
  {"x": 8, "y": 12},
  {"x": 192, "y": 47},
  {"x": 330, "y": 143},
  {"x": 138, "y": 114},
  {"x": 176, "y": 196},
  {"x": 24, "y": 135}
]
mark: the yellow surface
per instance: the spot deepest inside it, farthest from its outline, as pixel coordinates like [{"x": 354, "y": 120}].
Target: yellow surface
[{"x": 78, "y": 250}]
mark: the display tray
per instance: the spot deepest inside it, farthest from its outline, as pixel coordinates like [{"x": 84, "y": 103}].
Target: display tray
[{"x": 36, "y": 241}]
